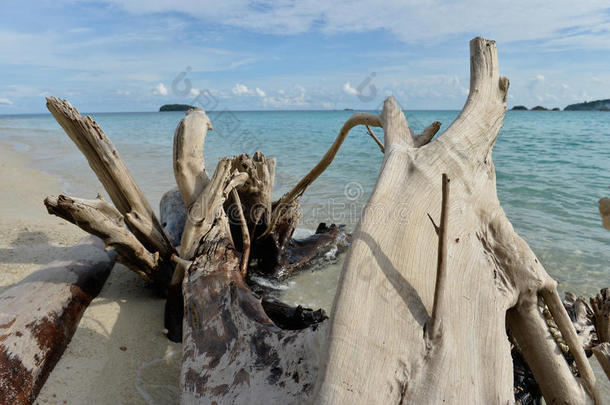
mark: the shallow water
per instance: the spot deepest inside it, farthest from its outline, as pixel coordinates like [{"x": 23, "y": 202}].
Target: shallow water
[{"x": 552, "y": 167}]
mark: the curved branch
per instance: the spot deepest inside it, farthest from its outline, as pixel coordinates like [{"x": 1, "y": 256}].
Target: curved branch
[
  {"x": 286, "y": 200},
  {"x": 189, "y": 163}
]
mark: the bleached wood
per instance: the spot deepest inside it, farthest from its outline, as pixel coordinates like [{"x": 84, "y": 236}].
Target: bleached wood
[
  {"x": 101, "y": 219},
  {"x": 113, "y": 174},
  {"x": 602, "y": 354},
  {"x": 377, "y": 352},
  {"x": 201, "y": 215},
  {"x": 189, "y": 164}
]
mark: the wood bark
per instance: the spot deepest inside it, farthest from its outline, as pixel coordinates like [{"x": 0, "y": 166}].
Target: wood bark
[
  {"x": 39, "y": 315},
  {"x": 233, "y": 352},
  {"x": 386, "y": 291}
]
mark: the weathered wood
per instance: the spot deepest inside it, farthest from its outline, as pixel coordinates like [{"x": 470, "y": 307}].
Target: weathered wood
[
  {"x": 101, "y": 219},
  {"x": 292, "y": 318},
  {"x": 602, "y": 354},
  {"x": 279, "y": 257},
  {"x": 189, "y": 164},
  {"x": 601, "y": 314},
  {"x": 201, "y": 213},
  {"x": 113, "y": 174},
  {"x": 172, "y": 214},
  {"x": 377, "y": 352},
  {"x": 39, "y": 315},
  {"x": 233, "y": 352}
]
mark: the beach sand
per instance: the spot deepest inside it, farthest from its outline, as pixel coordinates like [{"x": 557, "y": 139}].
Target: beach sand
[{"x": 118, "y": 355}]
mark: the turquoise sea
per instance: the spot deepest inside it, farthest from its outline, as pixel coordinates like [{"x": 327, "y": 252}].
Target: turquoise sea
[{"x": 552, "y": 168}]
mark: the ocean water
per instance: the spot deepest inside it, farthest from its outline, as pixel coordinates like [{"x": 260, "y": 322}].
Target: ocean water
[{"x": 552, "y": 168}]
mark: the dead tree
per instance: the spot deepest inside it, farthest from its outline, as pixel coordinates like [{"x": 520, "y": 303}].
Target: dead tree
[{"x": 435, "y": 287}]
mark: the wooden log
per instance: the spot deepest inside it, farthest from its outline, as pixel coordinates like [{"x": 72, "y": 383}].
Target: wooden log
[{"x": 39, "y": 315}]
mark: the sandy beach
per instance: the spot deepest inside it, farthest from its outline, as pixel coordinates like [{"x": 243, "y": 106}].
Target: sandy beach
[{"x": 118, "y": 355}]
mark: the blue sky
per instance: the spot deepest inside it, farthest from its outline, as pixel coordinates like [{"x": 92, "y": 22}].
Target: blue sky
[{"x": 135, "y": 55}]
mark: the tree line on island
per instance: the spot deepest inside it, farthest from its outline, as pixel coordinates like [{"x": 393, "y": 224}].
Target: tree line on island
[{"x": 597, "y": 105}]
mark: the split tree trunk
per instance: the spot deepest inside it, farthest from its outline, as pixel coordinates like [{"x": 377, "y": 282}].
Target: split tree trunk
[
  {"x": 39, "y": 315},
  {"x": 379, "y": 349}
]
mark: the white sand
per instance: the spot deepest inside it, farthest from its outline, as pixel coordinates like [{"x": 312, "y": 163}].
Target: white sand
[{"x": 94, "y": 369}]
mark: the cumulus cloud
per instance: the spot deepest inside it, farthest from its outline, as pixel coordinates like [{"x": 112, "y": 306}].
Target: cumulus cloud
[
  {"x": 347, "y": 88},
  {"x": 260, "y": 92},
  {"x": 160, "y": 90},
  {"x": 5, "y": 101},
  {"x": 240, "y": 89}
]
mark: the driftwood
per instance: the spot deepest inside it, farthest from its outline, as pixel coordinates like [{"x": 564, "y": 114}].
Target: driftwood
[
  {"x": 602, "y": 354},
  {"x": 39, "y": 315},
  {"x": 118, "y": 182},
  {"x": 434, "y": 281},
  {"x": 386, "y": 292}
]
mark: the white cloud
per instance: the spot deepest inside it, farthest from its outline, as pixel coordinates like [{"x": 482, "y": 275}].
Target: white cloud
[
  {"x": 5, "y": 101},
  {"x": 240, "y": 89},
  {"x": 327, "y": 104},
  {"x": 540, "y": 77},
  {"x": 160, "y": 89},
  {"x": 288, "y": 99},
  {"x": 408, "y": 21},
  {"x": 347, "y": 88},
  {"x": 260, "y": 92},
  {"x": 194, "y": 92}
]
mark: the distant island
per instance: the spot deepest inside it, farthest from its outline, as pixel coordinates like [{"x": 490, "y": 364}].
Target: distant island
[
  {"x": 175, "y": 107},
  {"x": 598, "y": 105},
  {"x": 537, "y": 108}
]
